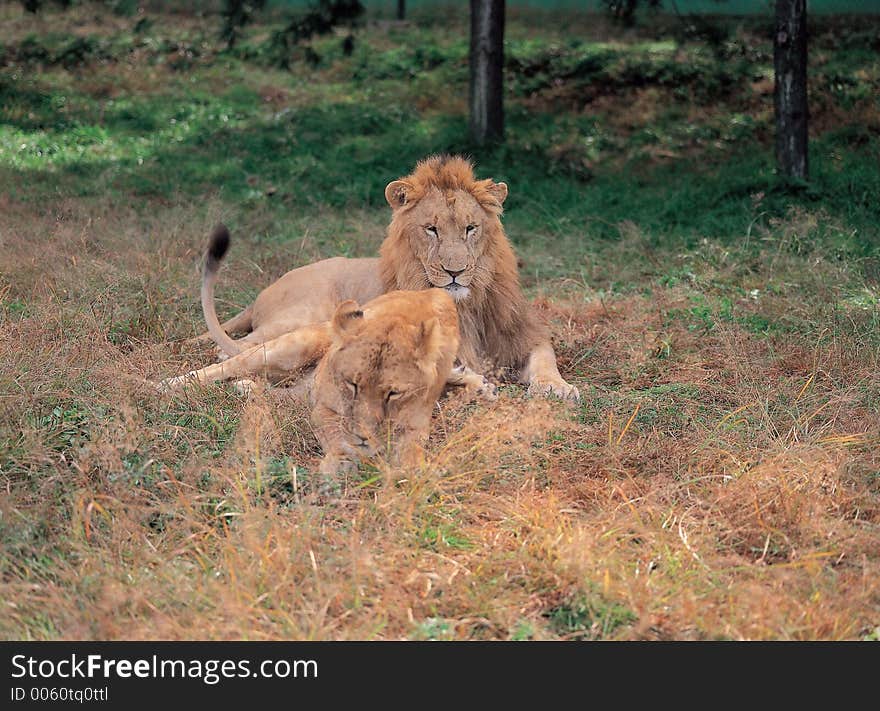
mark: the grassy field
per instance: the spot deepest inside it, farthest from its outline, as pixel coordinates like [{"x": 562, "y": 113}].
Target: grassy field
[{"x": 720, "y": 478}]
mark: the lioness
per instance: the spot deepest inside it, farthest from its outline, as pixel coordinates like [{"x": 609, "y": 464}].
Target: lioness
[
  {"x": 384, "y": 371},
  {"x": 380, "y": 369},
  {"x": 445, "y": 232}
]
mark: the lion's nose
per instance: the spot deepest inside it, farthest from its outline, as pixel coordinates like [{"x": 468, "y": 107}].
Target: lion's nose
[{"x": 453, "y": 272}]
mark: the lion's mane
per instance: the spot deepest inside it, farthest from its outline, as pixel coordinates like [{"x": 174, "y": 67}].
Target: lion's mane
[{"x": 497, "y": 323}]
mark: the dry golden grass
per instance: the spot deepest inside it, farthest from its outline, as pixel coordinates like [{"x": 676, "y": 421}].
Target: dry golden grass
[{"x": 714, "y": 483}]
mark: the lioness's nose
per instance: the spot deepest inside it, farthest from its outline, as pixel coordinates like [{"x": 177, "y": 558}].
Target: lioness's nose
[{"x": 453, "y": 272}]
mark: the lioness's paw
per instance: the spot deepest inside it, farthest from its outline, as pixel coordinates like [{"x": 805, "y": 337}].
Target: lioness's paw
[{"x": 554, "y": 388}]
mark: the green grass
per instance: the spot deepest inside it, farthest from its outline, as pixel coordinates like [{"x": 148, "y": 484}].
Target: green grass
[
  {"x": 207, "y": 130},
  {"x": 589, "y": 617}
]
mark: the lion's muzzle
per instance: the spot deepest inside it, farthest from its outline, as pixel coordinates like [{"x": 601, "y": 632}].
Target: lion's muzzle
[{"x": 456, "y": 282}]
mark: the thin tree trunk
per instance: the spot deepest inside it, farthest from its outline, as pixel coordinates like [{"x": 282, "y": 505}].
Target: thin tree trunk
[
  {"x": 790, "y": 69},
  {"x": 401, "y": 9},
  {"x": 487, "y": 64}
]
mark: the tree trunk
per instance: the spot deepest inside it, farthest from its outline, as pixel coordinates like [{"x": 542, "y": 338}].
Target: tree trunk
[
  {"x": 487, "y": 64},
  {"x": 790, "y": 69},
  {"x": 401, "y": 9}
]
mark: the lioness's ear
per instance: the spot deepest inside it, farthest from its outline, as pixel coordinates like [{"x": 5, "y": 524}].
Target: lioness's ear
[
  {"x": 397, "y": 193},
  {"x": 430, "y": 340},
  {"x": 498, "y": 191},
  {"x": 347, "y": 313}
]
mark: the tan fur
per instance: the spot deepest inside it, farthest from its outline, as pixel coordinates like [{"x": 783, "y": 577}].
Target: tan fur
[
  {"x": 497, "y": 324},
  {"x": 382, "y": 375},
  {"x": 380, "y": 369}
]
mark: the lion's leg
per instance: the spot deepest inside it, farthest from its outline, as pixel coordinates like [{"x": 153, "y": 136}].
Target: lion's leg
[
  {"x": 254, "y": 361},
  {"x": 240, "y": 323},
  {"x": 275, "y": 359},
  {"x": 293, "y": 321},
  {"x": 259, "y": 336},
  {"x": 285, "y": 320},
  {"x": 298, "y": 349},
  {"x": 542, "y": 376},
  {"x": 254, "y": 338},
  {"x": 475, "y": 384}
]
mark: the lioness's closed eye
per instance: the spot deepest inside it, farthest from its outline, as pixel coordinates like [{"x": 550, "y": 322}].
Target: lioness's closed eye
[{"x": 385, "y": 369}]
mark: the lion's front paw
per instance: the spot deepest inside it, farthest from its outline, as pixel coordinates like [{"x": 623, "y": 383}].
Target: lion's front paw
[
  {"x": 476, "y": 385},
  {"x": 555, "y": 388}
]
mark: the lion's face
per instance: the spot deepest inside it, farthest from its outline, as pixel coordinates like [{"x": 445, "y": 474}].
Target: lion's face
[
  {"x": 379, "y": 379},
  {"x": 447, "y": 231}
]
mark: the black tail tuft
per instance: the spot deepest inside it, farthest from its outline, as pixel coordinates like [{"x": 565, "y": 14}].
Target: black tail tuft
[{"x": 218, "y": 247}]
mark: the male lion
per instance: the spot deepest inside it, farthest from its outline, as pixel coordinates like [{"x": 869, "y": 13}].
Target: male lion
[
  {"x": 380, "y": 369},
  {"x": 445, "y": 232}
]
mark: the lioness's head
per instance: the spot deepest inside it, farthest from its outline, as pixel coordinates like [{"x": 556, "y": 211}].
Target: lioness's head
[
  {"x": 380, "y": 378},
  {"x": 449, "y": 222}
]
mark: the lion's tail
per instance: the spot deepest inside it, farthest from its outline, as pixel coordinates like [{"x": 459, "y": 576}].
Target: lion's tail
[{"x": 213, "y": 259}]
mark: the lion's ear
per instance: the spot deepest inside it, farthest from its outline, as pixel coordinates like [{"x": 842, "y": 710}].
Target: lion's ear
[
  {"x": 347, "y": 313},
  {"x": 430, "y": 341},
  {"x": 498, "y": 191},
  {"x": 397, "y": 193}
]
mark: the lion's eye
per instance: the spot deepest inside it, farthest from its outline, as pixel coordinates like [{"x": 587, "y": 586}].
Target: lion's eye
[
  {"x": 471, "y": 229},
  {"x": 353, "y": 387},
  {"x": 392, "y": 395},
  {"x": 431, "y": 230}
]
